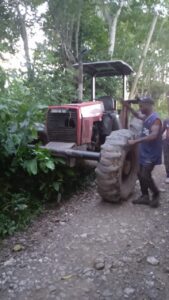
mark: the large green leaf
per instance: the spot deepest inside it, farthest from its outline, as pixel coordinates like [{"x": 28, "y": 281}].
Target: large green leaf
[
  {"x": 31, "y": 166},
  {"x": 56, "y": 186},
  {"x": 50, "y": 165}
]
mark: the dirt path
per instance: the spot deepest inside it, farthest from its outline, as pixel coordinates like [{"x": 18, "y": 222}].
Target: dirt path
[{"x": 91, "y": 250}]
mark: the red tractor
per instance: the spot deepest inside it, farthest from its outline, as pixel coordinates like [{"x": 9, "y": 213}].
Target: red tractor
[{"x": 97, "y": 130}]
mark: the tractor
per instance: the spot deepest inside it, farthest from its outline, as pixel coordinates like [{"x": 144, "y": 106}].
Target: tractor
[{"x": 97, "y": 130}]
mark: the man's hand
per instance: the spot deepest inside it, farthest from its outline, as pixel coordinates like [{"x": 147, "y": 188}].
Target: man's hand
[
  {"x": 132, "y": 142},
  {"x": 126, "y": 104}
]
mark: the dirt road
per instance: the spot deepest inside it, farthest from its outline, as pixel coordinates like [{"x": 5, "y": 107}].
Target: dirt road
[{"x": 91, "y": 250}]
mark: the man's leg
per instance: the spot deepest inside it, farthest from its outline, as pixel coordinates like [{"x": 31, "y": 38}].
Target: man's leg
[
  {"x": 144, "y": 199},
  {"x": 142, "y": 175},
  {"x": 147, "y": 174},
  {"x": 146, "y": 183}
]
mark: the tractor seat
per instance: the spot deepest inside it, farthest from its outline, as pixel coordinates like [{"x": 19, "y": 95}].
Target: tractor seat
[{"x": 108, "y": 102}]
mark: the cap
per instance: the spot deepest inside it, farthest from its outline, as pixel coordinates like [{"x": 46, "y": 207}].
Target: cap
[{"x": 146, "y": 99}]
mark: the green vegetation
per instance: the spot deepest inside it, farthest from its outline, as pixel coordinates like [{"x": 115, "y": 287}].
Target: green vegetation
[
  {"x": 108, "y": 29},
  {"x": 28, "y": 176}
]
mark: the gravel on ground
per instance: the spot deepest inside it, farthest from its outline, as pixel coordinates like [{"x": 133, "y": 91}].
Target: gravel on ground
[{"x": 88, "y": 249}]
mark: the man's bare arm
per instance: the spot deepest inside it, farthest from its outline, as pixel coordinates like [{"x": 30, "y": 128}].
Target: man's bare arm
[
  {"x": 155, "y": 129},
  {"x": 135, "y": 113}
]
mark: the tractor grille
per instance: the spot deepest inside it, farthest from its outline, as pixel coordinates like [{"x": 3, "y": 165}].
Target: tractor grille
[{"x": 62, "y": 125}]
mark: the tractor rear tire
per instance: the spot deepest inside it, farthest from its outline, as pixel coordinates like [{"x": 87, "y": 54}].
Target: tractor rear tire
[{"x": 116, "y": 172}]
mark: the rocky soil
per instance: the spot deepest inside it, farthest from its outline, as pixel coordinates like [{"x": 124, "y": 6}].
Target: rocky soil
[{"x": 91, "y": 250}]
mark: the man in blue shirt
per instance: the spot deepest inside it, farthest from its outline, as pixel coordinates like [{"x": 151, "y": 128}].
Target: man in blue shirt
[{"x": 150, "y": 150}]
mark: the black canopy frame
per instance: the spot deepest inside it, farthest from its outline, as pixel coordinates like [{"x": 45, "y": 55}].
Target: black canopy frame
[{"x": 106, "y": 69}]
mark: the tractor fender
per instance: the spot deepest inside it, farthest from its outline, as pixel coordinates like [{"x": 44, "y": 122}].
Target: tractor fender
[{"x": 110, "y": 122}]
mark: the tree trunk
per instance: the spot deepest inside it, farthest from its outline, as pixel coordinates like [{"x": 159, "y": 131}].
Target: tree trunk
[
  {"x": 24, "y": 37},
  {"x": 78, "y": 30},
  {"x": 112, "y": 32},
  {"x": 80, "y": 81},
  {"x": 149, "y": 37},
  {"x": 112, "y": 23}
]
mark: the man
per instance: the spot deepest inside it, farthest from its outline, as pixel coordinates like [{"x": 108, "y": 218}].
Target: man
[
  {"x": 166, "y": 148},
  {"x": 150, "y": 150}
]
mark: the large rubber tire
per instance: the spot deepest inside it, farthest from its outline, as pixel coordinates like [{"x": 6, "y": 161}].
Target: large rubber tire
[{"x": 116, "y": 172}]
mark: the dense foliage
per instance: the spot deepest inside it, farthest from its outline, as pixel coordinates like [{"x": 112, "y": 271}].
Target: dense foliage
[
  {"x": 28, "y": 176},
  {"x": 106, "y": 29}
]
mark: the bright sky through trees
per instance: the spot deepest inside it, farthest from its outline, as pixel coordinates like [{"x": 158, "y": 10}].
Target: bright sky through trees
[{"x": 17, "y": 61}]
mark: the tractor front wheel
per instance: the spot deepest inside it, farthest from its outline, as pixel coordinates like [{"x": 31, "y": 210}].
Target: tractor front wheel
[{"x": 116, "y": 172}]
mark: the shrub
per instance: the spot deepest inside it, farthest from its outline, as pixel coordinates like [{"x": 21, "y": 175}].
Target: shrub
[{"x": 28, "y": 176}]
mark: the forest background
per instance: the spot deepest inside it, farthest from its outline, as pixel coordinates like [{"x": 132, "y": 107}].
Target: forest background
[{"x": 134, "y": 31}]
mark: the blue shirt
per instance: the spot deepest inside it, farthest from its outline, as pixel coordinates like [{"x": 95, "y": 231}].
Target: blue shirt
[{"x": 150, "y": 151}]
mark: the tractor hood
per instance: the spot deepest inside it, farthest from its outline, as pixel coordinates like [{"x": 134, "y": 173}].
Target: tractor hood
[{"x": 85, "y": 109}]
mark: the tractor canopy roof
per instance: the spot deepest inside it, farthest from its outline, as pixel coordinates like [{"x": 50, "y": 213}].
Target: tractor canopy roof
[{"x": 106, "y": 68}]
